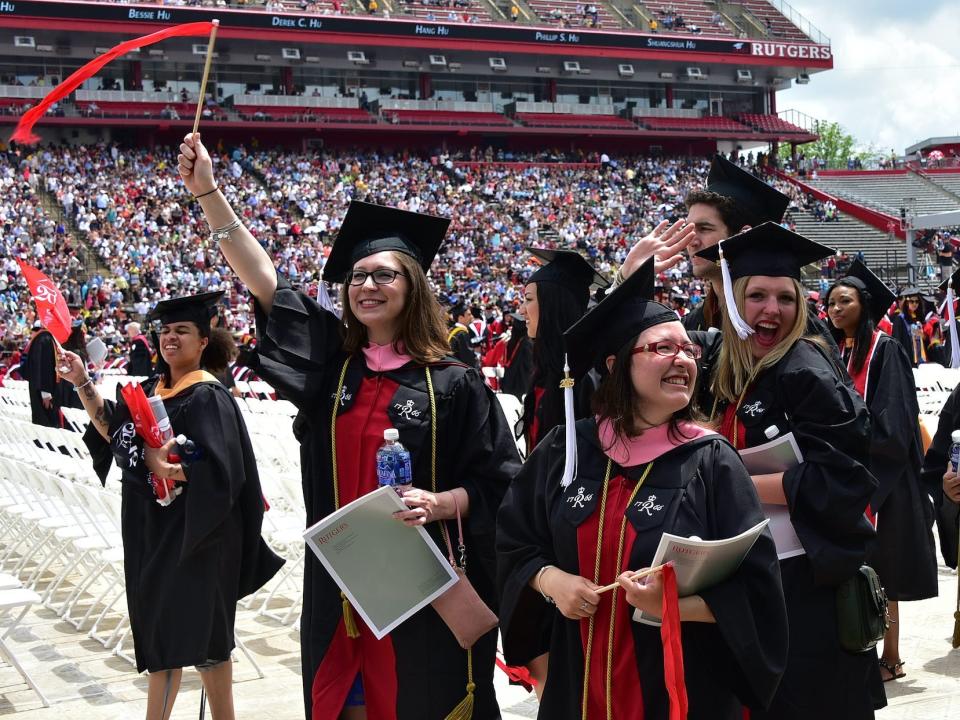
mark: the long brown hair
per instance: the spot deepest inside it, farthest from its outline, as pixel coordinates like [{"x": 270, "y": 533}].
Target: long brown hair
[{"x": 422, "y": 323}]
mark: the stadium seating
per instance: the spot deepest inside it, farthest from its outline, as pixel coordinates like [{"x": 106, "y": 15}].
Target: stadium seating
[
  {"x": 447, "y": 117},
  {"x": 548, "y": 10},
  {"x": 693, "y": 12},
  {"x": 704, "y": 124},
  {"x": 304, "y": 114},
  {"x": 887, "y": 191},
  {"x": 771, "y": 124},
  {"x": 780, "y": 27},
  {"x": 612, "y": 122}
]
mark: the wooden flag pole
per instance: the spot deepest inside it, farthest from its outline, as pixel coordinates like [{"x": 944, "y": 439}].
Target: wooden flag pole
[
  {"x": 636, "y": 576},
  {"x": 206, "y": 74}
]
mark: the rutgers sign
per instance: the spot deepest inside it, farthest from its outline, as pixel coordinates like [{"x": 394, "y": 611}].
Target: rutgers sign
[{"x": 791, "y": 50}]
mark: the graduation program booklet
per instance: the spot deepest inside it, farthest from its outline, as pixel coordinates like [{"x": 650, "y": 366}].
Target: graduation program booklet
[
  {"x": 778, "y": 455},
  {"x": 700, "y": 564},
  {"x": 388, "y": 571}
]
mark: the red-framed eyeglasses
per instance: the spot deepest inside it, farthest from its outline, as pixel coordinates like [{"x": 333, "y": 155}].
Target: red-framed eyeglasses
[{"x": 665, "y": 348}]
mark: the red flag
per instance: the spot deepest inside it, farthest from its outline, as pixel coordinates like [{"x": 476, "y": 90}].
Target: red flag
[
  {"x": 23, "y": 133},
  {"x": 673, "y": 676},
  {"x": 51, "y": 307}
]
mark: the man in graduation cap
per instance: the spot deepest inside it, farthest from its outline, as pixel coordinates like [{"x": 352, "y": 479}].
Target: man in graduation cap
[
  {"x": 38, "y": 368},
  {"x": 774, "y": 378},
  {"x": 555, "y": 296},
  {"x": 186, "y": 564},
  {"x": 386, "y": 364},
  {"x": 593, "y": 501}
]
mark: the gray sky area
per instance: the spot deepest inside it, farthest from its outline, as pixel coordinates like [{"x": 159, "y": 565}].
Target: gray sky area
[{"x": 896, "y": 76}]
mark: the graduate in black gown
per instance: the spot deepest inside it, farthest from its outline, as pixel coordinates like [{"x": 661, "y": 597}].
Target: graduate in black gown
[
  {"x": 43, "y": 385},
  {"x": 185, "y": 564},
  {"x": 554, "y": 298},
  {"x": 938, "y": 478},
  {"x": 908, "y": 326},
  {"x": 642, "y": 469},
  {"x": 904, "y": 555},
  {"x": 773, "y": 378},
  {"x": 387, "y": 364}
]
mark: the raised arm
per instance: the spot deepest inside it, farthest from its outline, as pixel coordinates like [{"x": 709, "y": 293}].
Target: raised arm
[{"x": 248, "y": 259}]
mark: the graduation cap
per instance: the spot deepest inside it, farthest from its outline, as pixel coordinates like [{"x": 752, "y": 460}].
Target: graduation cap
[
  {"x": 198, "y": 309},
  {"x": 768, "y": 249},
  {"x": 881, "y": 296},
  {"x": 567, "y": 268},
  {"x": 948, "y": 286},
  {"x": 759, "y": 201},
  {"x": 625, "y": 313},
  {"x": 368, "y": 229}
]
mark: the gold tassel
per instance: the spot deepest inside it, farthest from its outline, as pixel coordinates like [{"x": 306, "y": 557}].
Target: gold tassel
[
  {"x": 349, "y": 624},
  {"x": 464, "y": 711}
]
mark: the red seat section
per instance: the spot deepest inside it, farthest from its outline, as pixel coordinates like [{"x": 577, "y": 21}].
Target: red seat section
[
  {"x": 446, "y": 117},
  {"x": 307, "y": 114},
  {"x": 564, "y": 120},
  {"x": 708, "y": 124},
  {"x": 771, "y": 124}
]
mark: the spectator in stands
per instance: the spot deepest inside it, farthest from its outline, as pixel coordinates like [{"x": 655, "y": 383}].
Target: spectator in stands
[
  {"x": 186, "y": 566},
  {"x": 372, "y": 7},
  {"x": 514, "y": 13},
  {"x": 394, "y": 337},
  {"x": 653, "y": 24}
]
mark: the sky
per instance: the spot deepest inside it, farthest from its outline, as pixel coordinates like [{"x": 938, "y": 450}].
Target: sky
[{"x": 896, "y": 70}]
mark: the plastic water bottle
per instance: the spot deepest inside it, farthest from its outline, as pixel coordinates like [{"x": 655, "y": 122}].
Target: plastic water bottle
[
  {"x": 393, "y": 463},
  {"x": 955, "y": 450}
]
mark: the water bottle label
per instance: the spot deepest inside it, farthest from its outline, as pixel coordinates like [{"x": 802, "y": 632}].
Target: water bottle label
[
  {"x": 955, "y": 456},
  {"x": 385, "y": 468},
  {"x": 402, "y": 468}
]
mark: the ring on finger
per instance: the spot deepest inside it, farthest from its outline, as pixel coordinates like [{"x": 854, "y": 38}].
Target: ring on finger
[{"x": 584, "y": 605}]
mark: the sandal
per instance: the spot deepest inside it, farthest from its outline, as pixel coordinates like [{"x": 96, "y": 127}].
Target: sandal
[{"x": 895, "y": 671}]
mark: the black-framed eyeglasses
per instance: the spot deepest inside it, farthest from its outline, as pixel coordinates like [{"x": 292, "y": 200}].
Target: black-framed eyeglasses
[
  {"x": 381, "y": 276},
  {"x": 666, "y": 348}
]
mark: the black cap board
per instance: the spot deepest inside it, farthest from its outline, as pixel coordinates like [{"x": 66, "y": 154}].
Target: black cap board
[
  {"x": 197, "y": 309},
  {"x": 881, "y": 296},
  {"x": 621, "y": 316},
  {"x": 768, "y": 249},
  {"x": 567, "y": 268},
  {"x": 909, "y": 291},
  {"x": 368, "y": 229},
  {"x": 756, "y": 199},
  {"x": 942, "y": 287}
]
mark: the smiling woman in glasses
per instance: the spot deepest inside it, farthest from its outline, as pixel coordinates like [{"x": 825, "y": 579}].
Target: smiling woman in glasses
[{"x": 385, "y": 364}]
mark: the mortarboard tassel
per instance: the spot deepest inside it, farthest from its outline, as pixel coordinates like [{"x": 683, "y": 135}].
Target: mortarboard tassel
[
  {"x": 742, "y": 329},
  {"x": 673, "y": 676},
  {"x": 464, "y": 710},
  {"x": 954, "y": 341},
  {"x": 570, "y": 461},
  {"x": 349, "y": 622}
]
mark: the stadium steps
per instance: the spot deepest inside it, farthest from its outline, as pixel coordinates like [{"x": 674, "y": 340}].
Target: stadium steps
[
  {"x": 92, "y": 264},
  {"x": 887, "y": 193},
  {"x": 947, "y": 184},
  {"x": 884, "y": 255}
]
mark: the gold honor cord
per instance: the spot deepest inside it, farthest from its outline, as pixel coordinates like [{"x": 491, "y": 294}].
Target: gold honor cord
[
  {"x": 608, "y": 672},
  {"x": 464, "y": 710}
]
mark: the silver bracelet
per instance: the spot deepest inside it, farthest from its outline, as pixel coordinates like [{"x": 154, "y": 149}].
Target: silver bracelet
[
  {"x": 540, "y": 573},
  {"x": 223, "y": 234},
  {"x": 78, "y": 388}
]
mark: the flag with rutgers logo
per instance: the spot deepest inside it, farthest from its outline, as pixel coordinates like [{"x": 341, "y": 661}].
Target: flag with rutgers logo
[{"x": 52, "y": 309}]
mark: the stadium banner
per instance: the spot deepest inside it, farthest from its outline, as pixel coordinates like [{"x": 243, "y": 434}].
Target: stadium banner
[{"x": 326, "y": 28}]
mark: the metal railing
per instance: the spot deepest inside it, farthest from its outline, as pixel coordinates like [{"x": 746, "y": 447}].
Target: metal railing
[{"x": 805, "y": 26}]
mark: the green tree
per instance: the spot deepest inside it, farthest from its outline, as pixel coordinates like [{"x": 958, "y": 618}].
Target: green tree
[{"x": 834, "y": 146}]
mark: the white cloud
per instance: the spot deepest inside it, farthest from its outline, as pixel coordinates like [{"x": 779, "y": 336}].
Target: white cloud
[{"x": 896, "y": 76}]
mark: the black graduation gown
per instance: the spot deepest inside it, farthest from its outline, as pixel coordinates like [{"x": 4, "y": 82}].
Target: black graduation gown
[
  {"x": 693, "y": 320},
  {"x": 140, "y": 363},
  {"x": 934, "y": 465},
  {"x": 549, "y": 411},
  {"x": 827, "y": 495},
  {"x": 41, "y": 378},
  {"x": 460, "y": 346},
  {"x": 904, "y": 555},
  {"x": 300, "y": 354},
  {"x": 516, "y": 375},
  {"x": 903, "y": 335},
  {"x": 187, "y": 564},
  {"x": 700, "y": 488}
]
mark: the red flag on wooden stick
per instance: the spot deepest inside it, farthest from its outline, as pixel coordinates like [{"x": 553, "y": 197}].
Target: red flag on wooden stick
[
  {"x": 52, "y": 309},
  {"x": 23, "y": 133}
]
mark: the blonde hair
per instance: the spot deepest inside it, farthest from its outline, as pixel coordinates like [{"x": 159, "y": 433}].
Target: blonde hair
[
  {"x": 422, "y": 324},
  {"x": 737, "y": 366}
]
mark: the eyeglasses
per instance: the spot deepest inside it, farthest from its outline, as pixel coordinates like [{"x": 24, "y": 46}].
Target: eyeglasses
[
  {"x": 665, "y": 348},
  {"x": 381, "y": 276}
]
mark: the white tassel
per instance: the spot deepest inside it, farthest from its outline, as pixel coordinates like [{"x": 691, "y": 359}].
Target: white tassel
[
  {"x": 954, "y": 342},
  {"x": 570, "y": 460},
  {"x": 743, "y": 330},
  {"x": 323, "y": 297}
]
